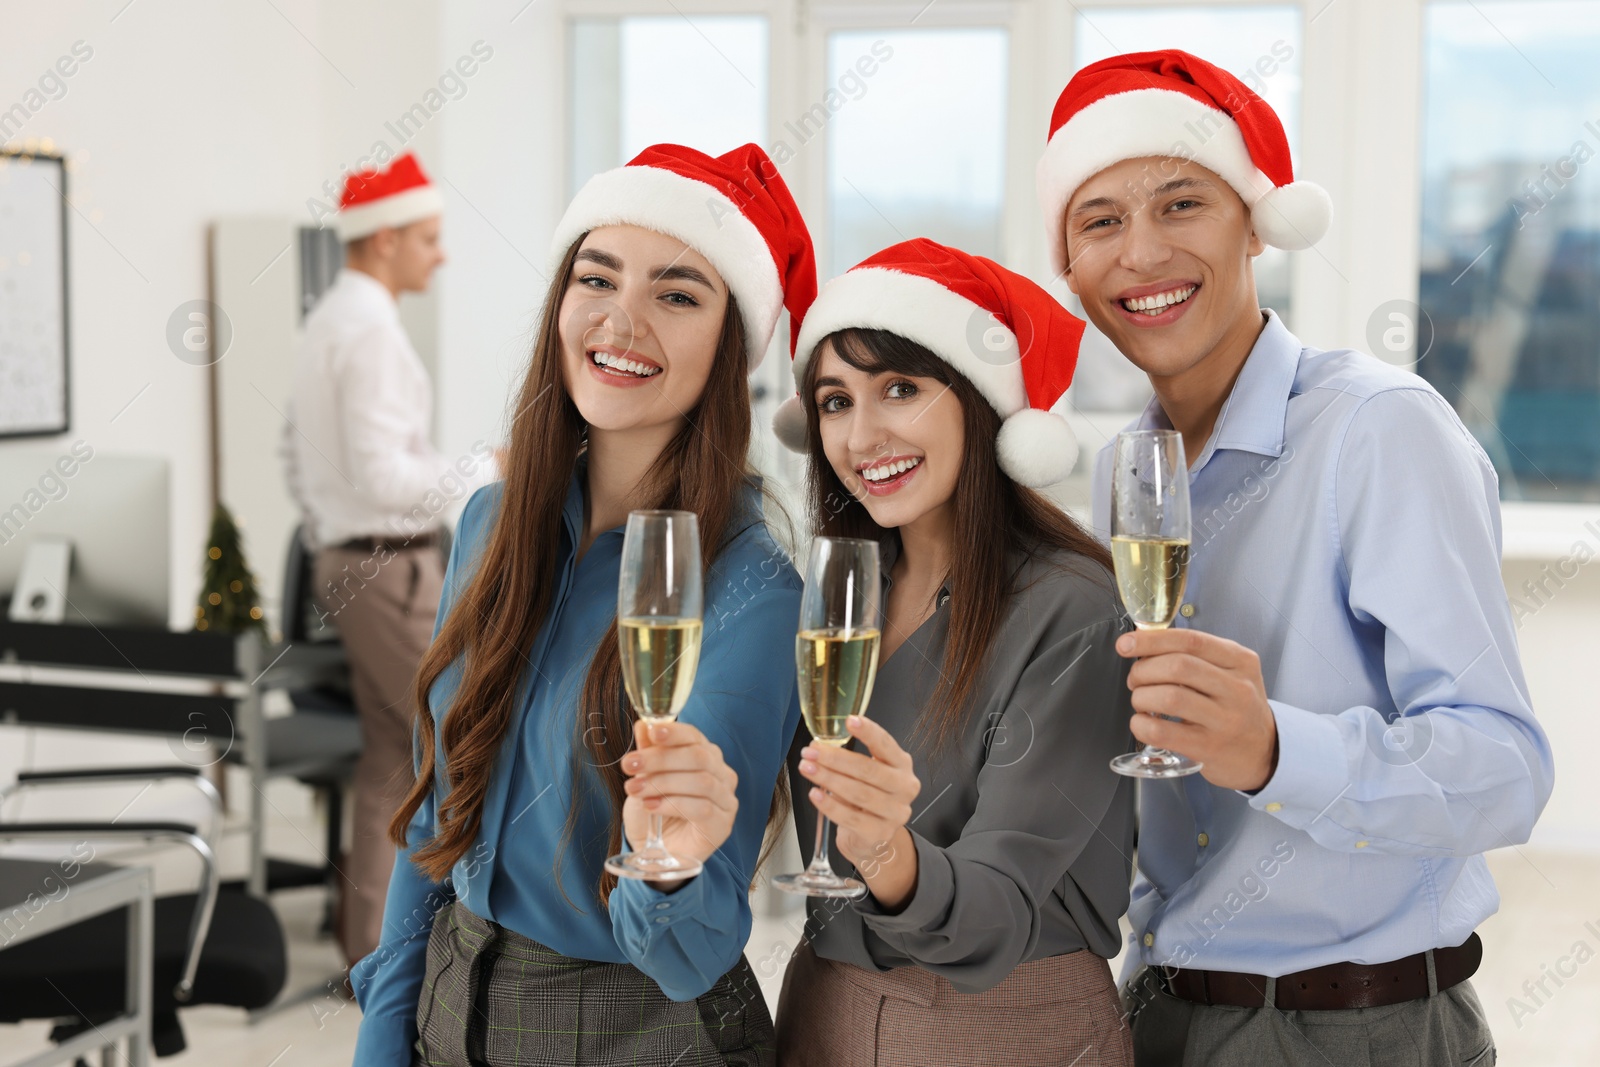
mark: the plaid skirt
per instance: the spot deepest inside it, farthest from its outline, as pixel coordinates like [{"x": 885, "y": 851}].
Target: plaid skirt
[
  {"x": 1061, "y": 1010},
  {"x": 493, "y": 998}
]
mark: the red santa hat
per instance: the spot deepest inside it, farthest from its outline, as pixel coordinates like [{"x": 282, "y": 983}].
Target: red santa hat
[
  {"x": 396, "y": 196},
  {"x": 734, "y": 209},
  {"x": 1172, "y": 104},
  {"x": 1007, "y": 336}
]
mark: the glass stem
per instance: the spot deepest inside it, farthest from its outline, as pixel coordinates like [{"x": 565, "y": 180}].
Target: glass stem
[
  {"x": 820, "y": 864},
  {"x": 654, "y": 844},
  {"x": 1151, "y": 751}
]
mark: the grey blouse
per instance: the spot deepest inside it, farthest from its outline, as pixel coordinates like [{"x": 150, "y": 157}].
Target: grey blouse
[{"x": 1024, "y": 835}]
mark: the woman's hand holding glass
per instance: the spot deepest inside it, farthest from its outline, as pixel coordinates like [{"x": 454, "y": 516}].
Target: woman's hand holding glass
[
  {"x": 868, "y": 796},
  {"x": 676, "y": 773}
]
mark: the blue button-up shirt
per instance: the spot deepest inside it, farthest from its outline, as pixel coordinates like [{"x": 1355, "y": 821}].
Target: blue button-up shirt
[
  {"x": 1346, "y": 527},
  {"x": 516, "y": 873}
]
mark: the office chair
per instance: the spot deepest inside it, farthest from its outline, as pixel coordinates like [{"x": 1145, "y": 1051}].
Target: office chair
[
  {"x": 317, "y": 744},
  {"x": 212, "y": 946}
]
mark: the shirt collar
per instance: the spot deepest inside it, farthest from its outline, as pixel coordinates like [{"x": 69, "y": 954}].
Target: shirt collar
[
  {"x": 572, "y": 508},
  {"x": 888, "y": 552},
  {"x": 370, "y": 288},
  {"x": 1252, "y": 418}
]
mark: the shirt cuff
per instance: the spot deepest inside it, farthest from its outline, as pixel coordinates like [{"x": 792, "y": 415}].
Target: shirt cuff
[
  {"x": 647, "y": 912},
  {"x": 930, "y": 901},
  {"x": 1311, "y": 774}
]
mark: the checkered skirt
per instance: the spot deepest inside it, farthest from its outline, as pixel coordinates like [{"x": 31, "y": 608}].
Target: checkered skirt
[{"x": 493, "y": 998}]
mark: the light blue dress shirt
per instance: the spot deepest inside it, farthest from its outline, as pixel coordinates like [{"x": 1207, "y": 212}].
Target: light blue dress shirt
[
  {"x": 744, "y": 701},
  {"x": 1346, "y": 527}
]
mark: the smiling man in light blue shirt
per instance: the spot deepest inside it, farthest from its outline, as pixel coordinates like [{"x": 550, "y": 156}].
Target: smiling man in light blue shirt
[{"x": 1344, "y": 664}]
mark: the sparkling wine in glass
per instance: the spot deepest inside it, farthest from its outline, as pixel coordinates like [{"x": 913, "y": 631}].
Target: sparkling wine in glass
[
  {"x": 1150, "y": 552},
  {"x": 836, "y": 661},
  {"x": 659, "y": 609}
]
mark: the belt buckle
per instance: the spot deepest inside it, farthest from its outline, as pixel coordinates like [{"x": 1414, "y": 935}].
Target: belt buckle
[{"x": 1165, "y": 973}]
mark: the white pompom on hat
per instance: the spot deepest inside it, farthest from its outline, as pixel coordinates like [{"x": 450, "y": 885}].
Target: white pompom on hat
[
  {"x": 1012, "y": 340},
  {"x": 1171, "y": 104}
]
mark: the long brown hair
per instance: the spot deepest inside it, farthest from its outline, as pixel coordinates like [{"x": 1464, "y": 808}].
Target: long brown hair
[
  {"x": 986, "y": 502},
  {"x": 496, "y": 617}
]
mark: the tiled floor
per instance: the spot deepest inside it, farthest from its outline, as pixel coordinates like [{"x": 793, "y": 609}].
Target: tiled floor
[{"x": 1548, "y": 929}]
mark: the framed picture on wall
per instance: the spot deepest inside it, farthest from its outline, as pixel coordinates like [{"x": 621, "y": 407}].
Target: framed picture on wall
[{"x": 33, "y": 294}]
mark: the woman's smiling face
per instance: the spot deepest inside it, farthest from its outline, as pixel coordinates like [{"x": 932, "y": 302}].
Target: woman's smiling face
[
  {"x": 894, "y": 440},
  {"x": 639, "y": 326}
]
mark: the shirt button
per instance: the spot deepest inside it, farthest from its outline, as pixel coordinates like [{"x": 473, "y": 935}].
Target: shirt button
[
  {"x": 1274, "y": 807},
  {"x": 1361, "y": 844},
  {"x": 663, "y": 906},
  {"x": 661, "y": 918},
  {"x": 1149, "y": 939},
  {"x": 1187, "y": 611},
  {"x": 1205, "y": 839}
]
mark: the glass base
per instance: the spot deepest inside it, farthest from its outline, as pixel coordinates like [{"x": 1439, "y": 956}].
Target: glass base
[
  {"x": 813, "y": 884},
  {"x": 653, "y": 865},
  {"x": 1154, "y": 763}
]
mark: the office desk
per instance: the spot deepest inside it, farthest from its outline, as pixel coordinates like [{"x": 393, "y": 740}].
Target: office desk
[
  {"x": 27, "y": 911},
  {"x": 202, "y": 691}
]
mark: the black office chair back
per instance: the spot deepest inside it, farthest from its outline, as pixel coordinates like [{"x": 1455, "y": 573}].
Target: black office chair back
[{"x": 302, "y": 621}]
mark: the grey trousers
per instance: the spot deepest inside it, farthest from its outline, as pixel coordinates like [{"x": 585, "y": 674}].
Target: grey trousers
[
  {"x": 383, "y": 605},
  {"x": 1446, "y": 1028}
]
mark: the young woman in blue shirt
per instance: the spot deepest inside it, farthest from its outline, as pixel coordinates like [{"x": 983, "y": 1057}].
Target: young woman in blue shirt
[{"x": 504, "y": 939}]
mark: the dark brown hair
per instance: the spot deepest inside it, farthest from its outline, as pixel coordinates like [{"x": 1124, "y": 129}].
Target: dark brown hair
[
  {"x": 494, "y": 620},
  {"x": 986, "y": 502}
]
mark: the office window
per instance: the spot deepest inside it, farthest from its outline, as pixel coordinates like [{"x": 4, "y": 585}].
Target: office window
[
  {"x": 694, "y": 80},
  {"x": 916, "y": 140},
  {"x": 1510, "y": 254},
  {"x": 1258, "y": 44}
]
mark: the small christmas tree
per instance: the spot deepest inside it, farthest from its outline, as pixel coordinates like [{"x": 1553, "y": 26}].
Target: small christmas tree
[{"x": 228, "y": 600}]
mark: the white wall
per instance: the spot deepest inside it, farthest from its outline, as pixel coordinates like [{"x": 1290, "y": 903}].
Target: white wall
[
  {"x": 1559, "y": 639},
  {"x": 502, "y": 151}
]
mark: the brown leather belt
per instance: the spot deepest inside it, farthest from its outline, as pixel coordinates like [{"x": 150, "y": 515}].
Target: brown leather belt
[
  {"x": 1334, "y": 986},
  {"x": 372, "y": 544}
]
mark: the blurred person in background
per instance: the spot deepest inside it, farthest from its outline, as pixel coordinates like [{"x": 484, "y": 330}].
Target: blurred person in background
[{"x": 372, "y": 490}]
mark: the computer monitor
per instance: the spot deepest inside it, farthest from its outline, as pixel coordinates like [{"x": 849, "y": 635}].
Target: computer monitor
[{"x": 111, "y": 509}]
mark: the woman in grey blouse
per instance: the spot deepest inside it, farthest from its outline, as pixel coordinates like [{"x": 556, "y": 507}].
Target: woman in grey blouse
[{"x": 976, "y": 803}]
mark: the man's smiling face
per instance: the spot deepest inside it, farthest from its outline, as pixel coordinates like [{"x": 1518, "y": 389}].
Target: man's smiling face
[{"x": 1160, "y": 252}]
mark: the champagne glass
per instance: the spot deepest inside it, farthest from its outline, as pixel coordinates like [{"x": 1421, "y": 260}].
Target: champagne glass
[
  {"x": 659, "y": 604},
  {"x": 1150, "y": 550},
  {"x": 836, "y": 661}
]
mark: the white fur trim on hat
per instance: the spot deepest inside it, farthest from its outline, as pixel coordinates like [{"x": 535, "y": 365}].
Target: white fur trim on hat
[
  {"x": 696, "y": 214},
  {"x": 1036, "y": 448},
  {"x": 961, "y": 333},
  {"x": 789, "y": 423},
  {"x": 1168, "y": 124},
  {"x": 401, "y": 209}
]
